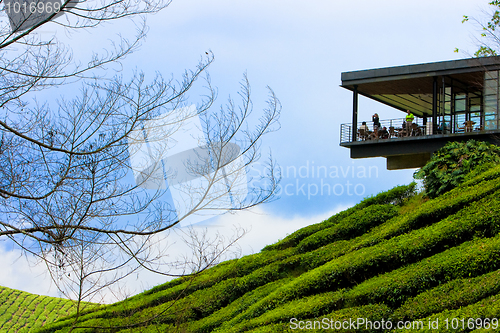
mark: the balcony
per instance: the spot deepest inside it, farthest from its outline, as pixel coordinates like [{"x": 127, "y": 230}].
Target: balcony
[
  {"x": 416, "y": 131},
  {"x": 394, "y": 129},
  {"x": 463, "y": 95},
  {"x": 410, "y": 149}
]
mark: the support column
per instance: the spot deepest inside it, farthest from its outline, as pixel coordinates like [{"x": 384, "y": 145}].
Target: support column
[
  {"x": 467, "y": 105},
  {"x": 452, "y": 108},
  {"x": 481, "y": 112},
  {"x": 434, "y": 104},
  {"x": 355, "y": 113}
]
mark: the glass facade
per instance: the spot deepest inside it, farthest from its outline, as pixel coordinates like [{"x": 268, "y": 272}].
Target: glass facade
[
  {"x": 491, "y": 100},
  {"x": 468, "y": 107}
]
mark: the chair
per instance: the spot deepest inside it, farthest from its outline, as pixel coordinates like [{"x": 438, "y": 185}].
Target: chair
[
  {"x": 415, "y": 130},
  {"x": 468, "y": 125},
  {"x": 362, "y": 135},
  {"x": 383, "y": 133},
  {"x": 392, "y": 132},
  {"x": 442, "y": 128}
]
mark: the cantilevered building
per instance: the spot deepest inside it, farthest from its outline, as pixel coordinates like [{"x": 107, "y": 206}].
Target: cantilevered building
[{"x": 450, "y": 100}]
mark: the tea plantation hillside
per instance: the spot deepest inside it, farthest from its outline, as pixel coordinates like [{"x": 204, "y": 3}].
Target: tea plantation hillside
[
  {"x": 395, "y": 257},
  {"x": 24, "y": 312}
]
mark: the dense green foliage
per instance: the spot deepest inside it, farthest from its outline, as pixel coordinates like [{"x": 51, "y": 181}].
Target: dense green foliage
[
  {"x": 24, "y": 312},
  {"x": 451, "y": 165},
  {"x": 395, "y": 196},
  {"x": 398, "y": 256}
]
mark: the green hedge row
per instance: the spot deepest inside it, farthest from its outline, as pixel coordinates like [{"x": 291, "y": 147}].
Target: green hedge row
[
  {"x": 252, "y": 284},
  {"x": 361, "y": 265},
  {"x": 477, "y": 177},
  {"x": 350, "y": 227},
  {"x": 194, "y": 305},
  {"x": 321, "y": 256},
  {"x": 229, "y": 291},
  {"x": 24, "y": 312},
  {"x": 396, "y": 195},
  {"x": 452, "y": 295},
  {"x": 472, "y": 258},
  {"x": 211, "y": 322},
  {"x": 295, "y": 238},
  {"x": 471, "y": 318},
  {"x": 294, "y": 317},
  {"x": 430, "y": 212},
  {"x": 169, "y": 292},
  {"x": 224, "y": 270}
]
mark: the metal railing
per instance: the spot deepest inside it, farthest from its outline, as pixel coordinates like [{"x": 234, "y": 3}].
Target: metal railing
[
  {"x": 393, "y": 127},
  {"x": 486, "y": 122},
  {"x": 396, "y": 128}
]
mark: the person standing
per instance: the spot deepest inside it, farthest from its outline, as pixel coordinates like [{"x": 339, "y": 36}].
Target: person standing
[
  {"x": 409, "y": 121},
  {"x": 376, "y": 124}
]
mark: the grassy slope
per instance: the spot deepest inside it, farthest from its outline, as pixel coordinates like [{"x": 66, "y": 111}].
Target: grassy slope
[
  {"x": 385, "y": 258},
  {"x": 23, "y": 312}
]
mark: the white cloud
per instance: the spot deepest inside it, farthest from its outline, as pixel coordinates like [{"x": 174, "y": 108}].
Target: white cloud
[
  {"x": 263, "y": 228},
  {"x": 19, "y": 272}
]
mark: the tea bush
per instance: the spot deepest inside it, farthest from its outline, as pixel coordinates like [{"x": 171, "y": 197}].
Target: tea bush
[
  {"x": 393, "y": 256},
  {"x": 452, "y": 295},
  {"x": 451, "y": 164},
  {"x": 24, "y": 312},
  {"x": 353, "y": 225},
  {"x": 395, "y": 196}
]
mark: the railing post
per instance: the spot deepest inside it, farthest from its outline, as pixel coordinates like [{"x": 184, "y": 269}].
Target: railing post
[
  {"x": 434, "y": 104},
  {"x": 354, "y": 113}
]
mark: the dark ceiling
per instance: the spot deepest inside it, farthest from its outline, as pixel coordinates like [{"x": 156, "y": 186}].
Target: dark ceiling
[{"x": 411, "y": 87}]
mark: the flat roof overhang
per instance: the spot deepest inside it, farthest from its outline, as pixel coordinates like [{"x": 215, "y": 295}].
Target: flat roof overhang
[{"x": 411, "y": 87}]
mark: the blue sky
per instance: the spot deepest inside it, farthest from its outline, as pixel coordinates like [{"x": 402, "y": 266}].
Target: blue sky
[{"x": 299, "y": 49}]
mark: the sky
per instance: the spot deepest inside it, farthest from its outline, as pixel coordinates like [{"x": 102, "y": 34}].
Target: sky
[{"x": 299, "y": 49}]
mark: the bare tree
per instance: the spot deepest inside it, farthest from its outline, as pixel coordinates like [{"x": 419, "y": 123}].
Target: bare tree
[
  {"x": 489, "y": 41},
  {"x": 86, "y": 182}
]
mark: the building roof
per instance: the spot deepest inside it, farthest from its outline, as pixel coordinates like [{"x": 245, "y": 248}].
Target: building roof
[{"x": 411, "y": 86}]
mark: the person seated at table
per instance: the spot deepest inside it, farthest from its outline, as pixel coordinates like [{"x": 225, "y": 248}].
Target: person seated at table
[
  {"x": 363, "y": 126},
  {"x": 373, "y": 136},
  {"x": 402, "y": 130},
  {"x": 363, "y": 131},
  {"x": 442, "y": 128},
  {"x": 468, "y": 125},
  {"x": 416, "y": 130},
  {"x": 383, "y": 133}
]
